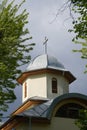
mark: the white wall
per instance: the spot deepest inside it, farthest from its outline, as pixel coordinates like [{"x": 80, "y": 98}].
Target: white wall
[
  {"x": 36, "y": 86},
  {"x": 41, "y": 85},
  {"x": 62, "y": 85}
]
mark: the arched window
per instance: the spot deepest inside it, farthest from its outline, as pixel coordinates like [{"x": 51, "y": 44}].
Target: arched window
[
  {"x": 25, "y": 90},
  {"x": 69, "y": 110},
  {"x": 54, "y": 85}
]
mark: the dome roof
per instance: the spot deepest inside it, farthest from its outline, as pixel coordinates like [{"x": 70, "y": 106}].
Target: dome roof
[{"x": 45, "y": 61}]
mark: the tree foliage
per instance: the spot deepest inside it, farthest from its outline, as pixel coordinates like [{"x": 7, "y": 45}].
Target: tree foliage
[
  {"x": 80, "y": 25},
  {"x": 14, "y": 52},
  {"x": 82, "y": 122},
  {"x": 80, "y": 29}
]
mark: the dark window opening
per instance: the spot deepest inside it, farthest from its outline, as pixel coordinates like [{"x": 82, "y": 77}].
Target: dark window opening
[
  {"x": 54, "y": 85},
  {"x": 70, "y": 110}
]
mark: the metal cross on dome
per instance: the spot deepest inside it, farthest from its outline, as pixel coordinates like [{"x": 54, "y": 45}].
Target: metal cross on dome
[{"x": 45, "y": 43}]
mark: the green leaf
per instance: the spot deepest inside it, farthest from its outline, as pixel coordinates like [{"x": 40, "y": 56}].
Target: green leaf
[{"x": 14, "y": 51}]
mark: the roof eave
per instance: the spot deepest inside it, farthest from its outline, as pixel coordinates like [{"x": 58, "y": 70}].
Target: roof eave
[{"x": 65, "y": 73}]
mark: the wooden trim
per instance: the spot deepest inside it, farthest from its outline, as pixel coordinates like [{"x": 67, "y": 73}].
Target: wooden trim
[
  {"x": 25, "y": 90},
  {"x": 12, "y": 123},
  {"x": 66, "y": 74},
  {"x": 25, "y": 106}
]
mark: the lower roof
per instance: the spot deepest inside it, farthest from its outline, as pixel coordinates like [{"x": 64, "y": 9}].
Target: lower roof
[{"x": 45, "y": 109}]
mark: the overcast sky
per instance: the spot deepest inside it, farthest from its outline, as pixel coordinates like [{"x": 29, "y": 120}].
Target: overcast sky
[{"x": 42, "y": 22}]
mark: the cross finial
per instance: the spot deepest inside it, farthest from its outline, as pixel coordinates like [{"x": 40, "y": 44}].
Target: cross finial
[{"x": 45, "y": 43}]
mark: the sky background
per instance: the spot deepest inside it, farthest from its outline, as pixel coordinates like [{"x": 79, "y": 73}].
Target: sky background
[{"x": 43, "y": 22}]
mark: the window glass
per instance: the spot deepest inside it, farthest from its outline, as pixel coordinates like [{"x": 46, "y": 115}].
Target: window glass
[
  {"x": 70, "y": 110},
  {"x": 54, "y": 85}
]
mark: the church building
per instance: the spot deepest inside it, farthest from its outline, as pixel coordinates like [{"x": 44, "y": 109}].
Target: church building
[{"x": 46, "y": 101}]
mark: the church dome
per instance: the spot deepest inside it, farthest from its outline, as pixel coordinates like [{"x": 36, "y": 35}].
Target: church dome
[{"x": 45, "y": 61}]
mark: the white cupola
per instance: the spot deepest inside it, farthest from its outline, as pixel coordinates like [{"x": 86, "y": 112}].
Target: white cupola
[{"x": 45, "y": 77}]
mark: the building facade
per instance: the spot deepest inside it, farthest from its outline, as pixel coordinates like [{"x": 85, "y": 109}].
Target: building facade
[{"x": 46, "y": 101}]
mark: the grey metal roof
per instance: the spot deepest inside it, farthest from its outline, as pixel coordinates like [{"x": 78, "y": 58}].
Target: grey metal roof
[
  {"x": 45, "y": 61},
  {"x": 37, "y": 111},
  {"x": 38, "y": 98},
  {"x": 45, "y": 109}
]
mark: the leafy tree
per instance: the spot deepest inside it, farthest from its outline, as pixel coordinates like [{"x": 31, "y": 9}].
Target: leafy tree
[
  {"x": 82, "y": 122},
  {"x": 80, "y": 29},
  {"x": 14, "y": 52},
  {"x": 80, "y": 25}
]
